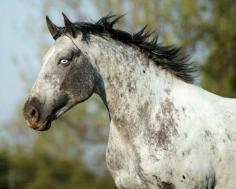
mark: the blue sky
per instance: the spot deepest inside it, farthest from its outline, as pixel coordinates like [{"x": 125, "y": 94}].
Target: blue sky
[{"x": 19, "y": 49}]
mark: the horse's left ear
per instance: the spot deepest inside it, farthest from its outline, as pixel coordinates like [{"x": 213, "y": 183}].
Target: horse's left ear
[
  {"x": 53, "y": 28},
  {"x": 69, "y": 28}
]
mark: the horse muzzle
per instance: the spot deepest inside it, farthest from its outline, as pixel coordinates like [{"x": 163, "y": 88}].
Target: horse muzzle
[{"x": 33, "y": 115}]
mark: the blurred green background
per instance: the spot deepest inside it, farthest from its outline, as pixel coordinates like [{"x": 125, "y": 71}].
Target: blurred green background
[{"x": 72, "y": 153}]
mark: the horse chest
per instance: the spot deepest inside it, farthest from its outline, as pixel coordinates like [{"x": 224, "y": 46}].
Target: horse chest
[
  {"x": 133, "y": 169},
  {"x": 121, "y": 161},
  {"x": 127, "y": 167}
]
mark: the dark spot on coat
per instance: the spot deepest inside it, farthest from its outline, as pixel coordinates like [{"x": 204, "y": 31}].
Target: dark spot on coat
[
  {"x": 228, "y": 136},
  {"x": 208, "y": 183},
  {"x": 143, "y": 111},
  {"x": 167, "y": 185},
  {"x": 213, "y": 148},
  {"x": 207, "y": 133},
  {"x": 166, "y": 123},
  {"x": 186, "y": 152},
  {"x": 131, "y": 86},
  {"x": 167, "y": 91},
  {"x": 114, "y": 162}
]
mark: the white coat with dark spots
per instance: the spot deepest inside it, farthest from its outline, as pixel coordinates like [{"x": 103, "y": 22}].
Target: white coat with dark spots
[{"x": 164, "y": 131}]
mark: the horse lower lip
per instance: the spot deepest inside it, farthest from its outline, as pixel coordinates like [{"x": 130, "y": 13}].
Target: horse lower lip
[{"x": 45, "y": 126}]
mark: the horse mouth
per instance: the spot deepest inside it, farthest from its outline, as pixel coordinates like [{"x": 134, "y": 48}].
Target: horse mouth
[
  {"x": 45, "y": 126},
  {"x": 41, "y": 126}
]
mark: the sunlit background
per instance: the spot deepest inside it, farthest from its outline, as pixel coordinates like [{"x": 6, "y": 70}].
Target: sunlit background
[{"x": 72, "y": 153}]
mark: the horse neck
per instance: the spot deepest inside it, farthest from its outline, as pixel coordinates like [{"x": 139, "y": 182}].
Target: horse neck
[{"x": 131, "y": 80}]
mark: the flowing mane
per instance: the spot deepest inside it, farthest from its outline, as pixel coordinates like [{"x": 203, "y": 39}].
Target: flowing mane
[{"x": 171, "y": 58}]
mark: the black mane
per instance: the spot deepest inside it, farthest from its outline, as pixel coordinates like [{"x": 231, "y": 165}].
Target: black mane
[{"x": 170, "y": 58}]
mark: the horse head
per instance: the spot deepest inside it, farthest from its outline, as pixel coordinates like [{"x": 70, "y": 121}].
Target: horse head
[{"x": 66, "y": 78}]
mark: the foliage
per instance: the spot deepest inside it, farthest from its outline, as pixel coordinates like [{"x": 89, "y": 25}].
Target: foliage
[
  {"x": 23, "y": 169},
  {"x": 220, "y": 68}
]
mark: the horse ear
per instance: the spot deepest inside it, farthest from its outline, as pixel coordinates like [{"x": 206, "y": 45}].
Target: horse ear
[
  {"x": 53, "y": 29},
  {"x": 68, "y": 26}
]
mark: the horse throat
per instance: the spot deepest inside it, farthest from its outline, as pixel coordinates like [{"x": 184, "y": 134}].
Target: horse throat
[
  {"x": 100, "y": 90},
  {"x": 127, "y": 85}
]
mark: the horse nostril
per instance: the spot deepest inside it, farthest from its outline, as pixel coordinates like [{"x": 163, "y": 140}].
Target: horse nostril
[{"x": 33, "y": 113}]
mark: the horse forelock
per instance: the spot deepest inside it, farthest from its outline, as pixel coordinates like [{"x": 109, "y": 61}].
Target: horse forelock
[{"x": 171, "y": 58}]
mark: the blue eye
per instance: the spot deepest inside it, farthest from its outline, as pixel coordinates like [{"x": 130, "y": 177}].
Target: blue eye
[{"x": 64, "y": 61}]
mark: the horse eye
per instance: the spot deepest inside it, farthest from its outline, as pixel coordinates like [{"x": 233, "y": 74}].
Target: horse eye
[{"x": 64, "y": 61}]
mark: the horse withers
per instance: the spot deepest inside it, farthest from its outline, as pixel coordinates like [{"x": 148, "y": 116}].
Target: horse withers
[{"x": 165, "y": 132}]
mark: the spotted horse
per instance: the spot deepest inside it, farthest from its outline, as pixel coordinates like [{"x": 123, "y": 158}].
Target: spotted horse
[{"x": 165, "y": 132}]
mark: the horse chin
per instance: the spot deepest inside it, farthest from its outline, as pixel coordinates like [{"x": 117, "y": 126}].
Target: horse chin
[
  {"x": 45, "y": 126},
  {"x": 42, "y": 126}
]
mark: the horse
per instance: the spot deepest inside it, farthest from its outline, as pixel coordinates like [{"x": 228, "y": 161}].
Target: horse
[{"x": 165, "y": 131}]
